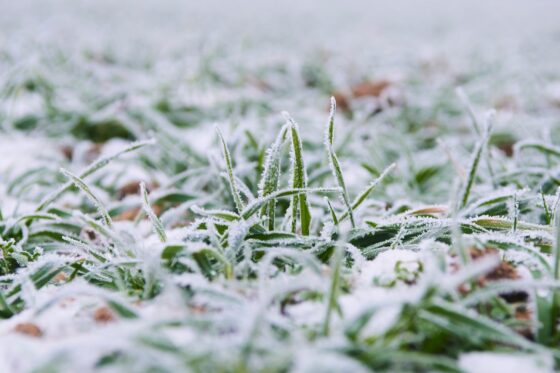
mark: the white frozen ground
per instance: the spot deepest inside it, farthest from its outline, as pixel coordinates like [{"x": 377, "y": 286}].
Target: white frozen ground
[{"x": 171, "y": 71}]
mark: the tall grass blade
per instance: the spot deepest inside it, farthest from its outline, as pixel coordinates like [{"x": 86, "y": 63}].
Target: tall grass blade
[
  {"x": 475, "y": 159},
  {"x": 299, "y": 181},
  {"x": 333, "y": 290},
  {"x": 335, "y": 164},
  {"x": 89, "y": 193},
  {"x": 231, "y": 177},
  {"x": 158, "y": 226},
  {"x": 269, "y": 181}
]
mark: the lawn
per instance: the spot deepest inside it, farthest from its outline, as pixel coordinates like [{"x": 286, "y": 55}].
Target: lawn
[{"x": 301, "y": 186}]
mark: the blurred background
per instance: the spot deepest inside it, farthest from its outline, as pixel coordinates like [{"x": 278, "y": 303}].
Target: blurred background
[{"x": 83, "y": 73}]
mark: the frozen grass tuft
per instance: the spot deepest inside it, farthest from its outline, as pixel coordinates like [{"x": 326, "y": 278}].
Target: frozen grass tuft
[{"x": 416, "y": 234}]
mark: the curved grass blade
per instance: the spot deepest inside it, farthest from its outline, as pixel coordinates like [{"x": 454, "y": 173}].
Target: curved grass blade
[
  {"x": 158, "y": 226},
  {"x": 335, "y": 164},
  {"x": 95, "y": 166},
  {"x": 364, "y": 194},
  {"x": 540, "y": 146},
  {"x": 254, "y": 206},
  {"x": 332, "y": 212},
  {"x": 231, "y": 177},
  {"x": 89, "y": 193}
]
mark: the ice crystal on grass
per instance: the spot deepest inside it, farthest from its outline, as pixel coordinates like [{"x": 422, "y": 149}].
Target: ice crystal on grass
[{"x": 417, "y": 235}]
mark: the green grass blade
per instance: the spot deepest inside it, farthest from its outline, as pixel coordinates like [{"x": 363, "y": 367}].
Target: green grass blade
[
  {"x": 231, "y": 178},
  {"x": 547, "y": 215},
  {"x": 254, "y": 206},
  {"x": 95, "y": 166},
  {"x": 485, "y": 328},
  {"x": 366, "y": 192},
  {"x": 299, "y": 180},
  {"x": 333, "y": 291},
  {"x": 555, "y": 309},
  {"x": 332, "y": 212},
  {"x": 335, "y": 164},
  {"x": 121, "y": 309},
  {"x": 467, "y": 104},
  {"x": 542, "y": 147},
  {"x": 475, "y": 159},
  {"x": 89, "y": 193},
  {"x": 269, "y": 181},
  {"x": 158, "y": 226}
]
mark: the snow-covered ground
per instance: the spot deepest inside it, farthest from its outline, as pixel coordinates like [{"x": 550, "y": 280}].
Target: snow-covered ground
[{"x": 444, "y": 261}]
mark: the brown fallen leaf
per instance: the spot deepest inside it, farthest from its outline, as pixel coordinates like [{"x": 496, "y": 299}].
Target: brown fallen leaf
[
  {"x": 127, "y": 215},
  {"x": 29, "y": 329},
  {"x": 103, "y": 315},
  {"x": 198, "y": 309},
  {"x": 67, "y": 151},
  {"x": 89, "y": 234},
  {"x": 342, "y": 102},
  {"x": 506, "y": 148},
  {"x": 93, "y": 152},
  {"x": 259, "y": 83},
  {"x": 131, "y": 214},
  {"x": 523, "y": 313},
  {"x": 370, "y": 88},
  {"x": 525, "y": 316},
  {"x": 133, "y": 187},
  {"x": 503, "y": 271},
  {"x": 429, "y": 210},
  {"x": 507, "y": 103},
  {"x": 61, "y": 277}
]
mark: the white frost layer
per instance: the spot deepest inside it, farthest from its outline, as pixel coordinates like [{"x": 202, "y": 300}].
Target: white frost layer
[{"x": 488, "y": 362}]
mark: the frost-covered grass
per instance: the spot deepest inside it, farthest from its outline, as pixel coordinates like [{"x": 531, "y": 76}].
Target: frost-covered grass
[{"x": 286, "y": 189}]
